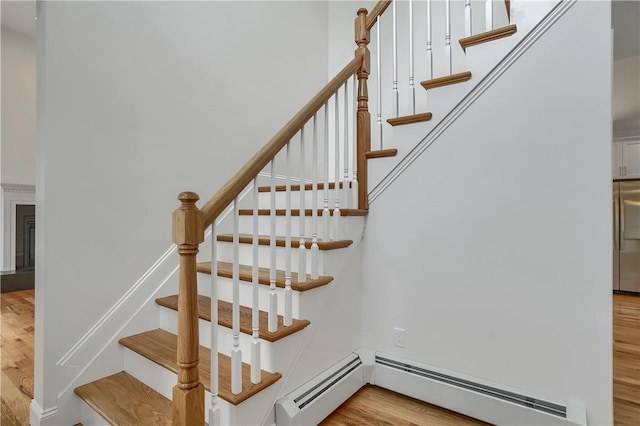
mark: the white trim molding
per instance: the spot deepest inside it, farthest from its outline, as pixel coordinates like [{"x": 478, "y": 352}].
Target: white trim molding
[
  {"x": 12, "y": 195},
  {"x": 39, "y": 416}
]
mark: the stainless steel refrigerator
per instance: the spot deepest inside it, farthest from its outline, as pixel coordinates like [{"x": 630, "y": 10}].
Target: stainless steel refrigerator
[{"x": 626, "y": 235}]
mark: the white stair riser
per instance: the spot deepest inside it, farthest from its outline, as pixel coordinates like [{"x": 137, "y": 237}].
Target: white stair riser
[
  {"x": 225, "y": 254},
  {"x": 264, "y": 199},
  {"x": 264, "y": 226},
  {"x": 225, "y": 292}
]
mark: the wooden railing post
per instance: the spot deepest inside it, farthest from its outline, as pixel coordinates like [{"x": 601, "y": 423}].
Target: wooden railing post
[
  {"x": 363, "y": 119},
  {"x": 188, "y": 394}
]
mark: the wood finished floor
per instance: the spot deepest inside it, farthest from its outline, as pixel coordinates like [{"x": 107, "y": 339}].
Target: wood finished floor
[{"x": 371, "y": 405}]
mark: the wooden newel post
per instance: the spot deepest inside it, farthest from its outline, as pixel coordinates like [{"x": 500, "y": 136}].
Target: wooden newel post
[
  {"x": 363, "y": 119},
  {"x": 188, "y": 394}
]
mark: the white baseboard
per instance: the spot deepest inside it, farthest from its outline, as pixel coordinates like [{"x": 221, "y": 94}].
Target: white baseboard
[{"x": 41, "y": 417}]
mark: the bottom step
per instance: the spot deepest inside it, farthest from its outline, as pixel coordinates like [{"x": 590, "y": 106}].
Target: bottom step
[{"x": 123, "y": 400}]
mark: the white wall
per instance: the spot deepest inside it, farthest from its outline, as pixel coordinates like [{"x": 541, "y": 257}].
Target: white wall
[
  {"x": 17, "y": 148},
  {"x": 493, "y": 250},
  {"x": 138, "y": 101}
]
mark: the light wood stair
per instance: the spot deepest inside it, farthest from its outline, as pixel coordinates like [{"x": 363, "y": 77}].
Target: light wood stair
[
  {"x": 307, "y": 212},
  {"x": 264, "y": 240},
  {"x": 160, "y": 347},
  {"x": 410, "y": 119},
  {"x": 246, "y": 274},
  {"x": 487, "y": 36},
  {"x": 446, "y": 80},
  {"x": 225, "y": 317},
  {"x": 296, "y": 187},
  {"x": 124, "y": 400}
]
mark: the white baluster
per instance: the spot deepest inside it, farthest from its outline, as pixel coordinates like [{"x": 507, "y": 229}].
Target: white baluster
[
  {"x": 273, "y": 297},
  {"x": 314, "y": 203},
  {"x": 345, "y": 180},
  {"x": 447, "y": 36},
  {"x": 412, "y": 89},
  {"x": 379, "y": 83},
  {"x": 326, "y": 234},
  {"x": 236, "y": 353},
  {"x": 489, "y": 14},
  {"x": 429, "y": 40},
  {"x": 396, "y": 96},
  {"x": 302, "y": 247},
  {"x": 214, "y": 408},
  {"x": 287, "y": 244},
  {"x": 354, "y": 168},
  {"x": 255, "y": 302},
  {"x": 336, "y": 162},
  {"x": 467, "y": 18}
]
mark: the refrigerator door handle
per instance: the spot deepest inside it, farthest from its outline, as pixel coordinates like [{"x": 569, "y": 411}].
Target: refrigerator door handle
[
  {"x": 621, "y": 224},
  {"x": 616, "y": 223}
]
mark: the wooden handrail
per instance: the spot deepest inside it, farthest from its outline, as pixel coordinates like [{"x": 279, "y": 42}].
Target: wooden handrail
[
  {"x": 377, "y": 10},
  {"x": 212, "y": 209}
]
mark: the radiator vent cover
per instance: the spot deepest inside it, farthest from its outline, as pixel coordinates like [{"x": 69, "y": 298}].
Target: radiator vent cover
[
  {"x": 515, "y": 398},
  {"x": 316, "y": 399}
]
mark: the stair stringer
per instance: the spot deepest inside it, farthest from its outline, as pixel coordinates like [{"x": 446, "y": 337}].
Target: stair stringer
[{"x": 486, "y": 62}]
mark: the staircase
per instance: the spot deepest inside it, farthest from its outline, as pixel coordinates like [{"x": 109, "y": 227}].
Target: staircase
[{"x": 283, "y": 233}]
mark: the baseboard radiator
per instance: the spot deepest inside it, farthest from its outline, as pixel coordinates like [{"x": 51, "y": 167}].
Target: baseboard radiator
[
  {"x": 316, "y": 399},
  {"x": 482, "y": 401}
]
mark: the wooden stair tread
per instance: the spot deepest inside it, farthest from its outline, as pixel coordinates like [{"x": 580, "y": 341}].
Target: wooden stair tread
[
  {"x": 265, "y": 240},
  {"x": 488, "y": 36},
  {"x": 382, "y": 153},
  {"x": 225, "y": 317},
  {"x": 160, "y": 346},
  {"x": 409, "y": 119},
  {"x": 225, "y": 269},
  {"x": 124, "y": 400},
  {"x": 446, "y": 80},
  {"x": 296, "y": 187},
  {"x": 307, "y": 212}
]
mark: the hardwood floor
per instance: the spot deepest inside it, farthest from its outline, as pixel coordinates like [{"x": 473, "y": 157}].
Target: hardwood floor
[
  {"x": 16, "y": 348},
  {"x": 626, "y": 359},
  {"x": 371, "y": 405}
]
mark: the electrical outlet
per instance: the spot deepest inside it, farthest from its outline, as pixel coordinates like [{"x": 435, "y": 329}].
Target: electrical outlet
[{"x": 399, "y": 337}]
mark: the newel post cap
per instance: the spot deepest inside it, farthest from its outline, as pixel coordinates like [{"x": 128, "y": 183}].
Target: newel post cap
[{"x": 188, "y": 220}]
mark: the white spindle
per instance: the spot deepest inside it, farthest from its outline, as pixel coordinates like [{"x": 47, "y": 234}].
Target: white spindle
[
  {"x": 255, "y": 302},
  {"x": 379, "y": 83},
  {"x": 302, "y": 248},
  {"x": 489, "y": 14},
  {"x": 396, "y": 96},
  {"x": 214, "y": 408},
  {"x": 326, "y": 234},
  {"x": 336, "y": 163},
  {"x": 345, "y": 180},
  {"x": 314, "y": 203},
  {"x": 273, "y": 297},
  {"x": 429, "y": 40},
  {"x": 287, "y": 242},
  {"x": 447, "y": 36},
  {"x": 354, "y": 168},
  {"x": 467, "y": 18},
  {"x": 412, "y": 90},
  {"x": 236, "y": 353}
]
